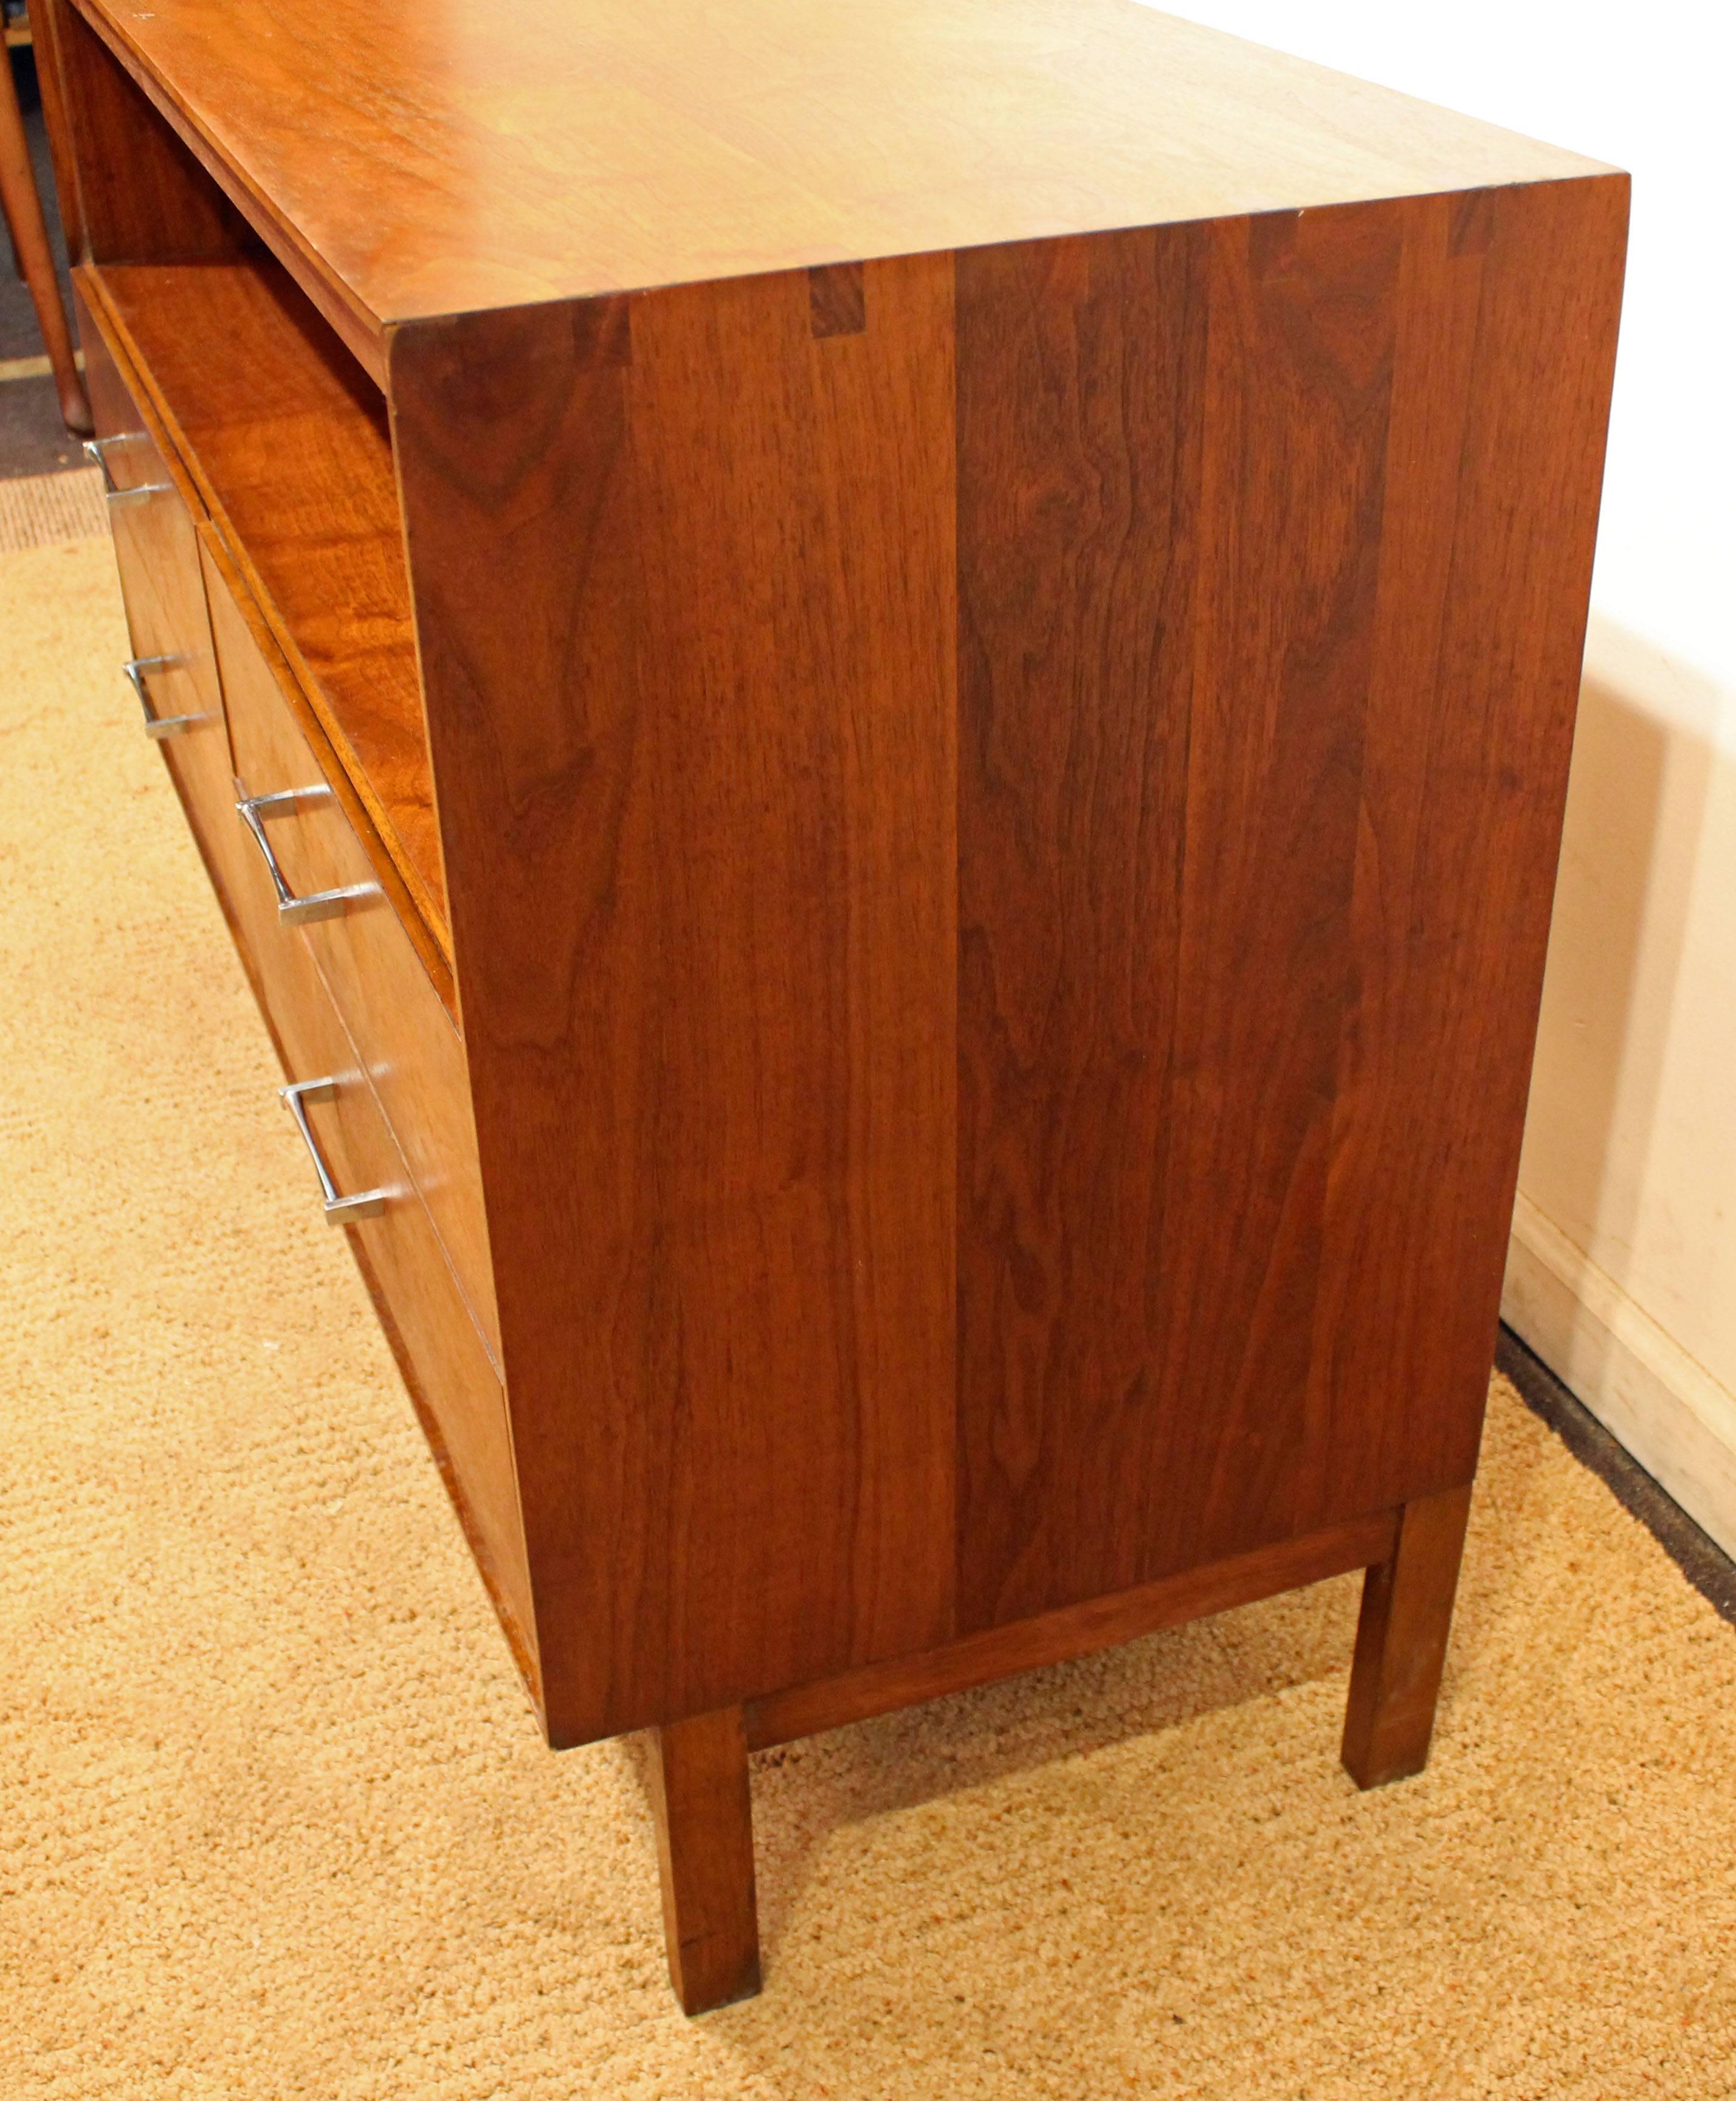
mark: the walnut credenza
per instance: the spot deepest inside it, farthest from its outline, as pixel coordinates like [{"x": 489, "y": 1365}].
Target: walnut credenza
[{"x": 880, "y": 696}]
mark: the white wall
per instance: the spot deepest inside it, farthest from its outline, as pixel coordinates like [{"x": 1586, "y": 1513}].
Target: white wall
[{"x": 1622, "y": 1275}]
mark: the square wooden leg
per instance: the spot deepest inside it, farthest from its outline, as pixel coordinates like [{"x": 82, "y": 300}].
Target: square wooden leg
[
  {"x": 704, "y": 1815},
  {"x": 1401, "y": 1642}
]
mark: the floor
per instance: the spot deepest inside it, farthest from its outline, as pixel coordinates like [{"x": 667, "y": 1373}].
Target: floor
[
  {"x": 275, "y": 1821},
  {"x": 1700, "y": 1559}
]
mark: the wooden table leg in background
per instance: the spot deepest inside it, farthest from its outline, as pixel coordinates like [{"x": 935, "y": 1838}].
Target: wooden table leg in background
[
  {"x": 1401, "y": 1642},
  {"x": 704, "y": 1814},
  {"x": 23, "y": 213}
]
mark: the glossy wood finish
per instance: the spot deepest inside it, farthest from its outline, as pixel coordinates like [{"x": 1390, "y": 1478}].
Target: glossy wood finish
[
  {"x": 163, "y": 572},
  {"x": 156, "y": 555},
  {"x": 1401, "y": 1642},
  {"x": 23, "y": 210},
  {"x": 412, "y": 1053},
  {"x": 1192, "y": 936},
  {"x": 288, "y": 444},
  {"x": 1258, "y": 640},
  {"x": 454, "y": 1377},
  {"x": 382, "y": 869},
  {"x": 715, "y": 1085},
  {"x": 703, "y": 1812},
  {"x": 404, "y": 172},
  {"x": 972, "y": 709},
  {"x": 409, "y": 1264},
  {"x": 186, "y": 200},
  {"x": 803, "y": 1710},
  {"x": 146, "y": 202},
  {"x": 1507, "y": 306},
  {"x": 180, "y": 594}
]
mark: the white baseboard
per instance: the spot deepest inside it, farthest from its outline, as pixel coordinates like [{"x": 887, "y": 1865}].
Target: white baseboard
[{"x": 1666, "y": 1410}]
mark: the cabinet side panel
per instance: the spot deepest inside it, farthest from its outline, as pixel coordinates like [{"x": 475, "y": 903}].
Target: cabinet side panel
[
  {"x": 1080, "y": 364},
  {"x": 683, "y": 571},
  {"x": 1274, "y": 539},
  {"x": 1172, "y": 458},
  {"x": 1506, "y": 355}
]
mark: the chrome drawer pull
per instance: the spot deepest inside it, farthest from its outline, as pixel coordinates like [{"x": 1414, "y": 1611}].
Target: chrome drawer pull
[
  {"x": 293, "y": 911},
  {"x": 339, "y": 1210},
  {"x": 97, "y": 450},
  {"x": 138, "y": 669}
]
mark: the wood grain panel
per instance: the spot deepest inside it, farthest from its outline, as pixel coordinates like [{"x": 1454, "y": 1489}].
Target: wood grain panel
[
  {"x": 996, "y": 1653},
  {"x": 156, "y": 555},
  {"x": 170, "y": 582},
  {"x": 414, "y": 169},
  {"x": 381, "y": 866},
  {"x": 1509, "y": 306},
  {"x": 163, "y": 585},
  {"x": 193, "y": 200},
  {"x": 411, "y": 1051},
  {"x": 837, "y": 300},
  {"x": 288, "y": 443},
  {"x": 1080, "y": 366},
  {"x": 696, "y": 786},
  {"x": 452, "y": 1381},
  {"x": 1171, "y": 457},
  {"x": 1296, "y": 407},
  {"x": 127, "y": 187}
]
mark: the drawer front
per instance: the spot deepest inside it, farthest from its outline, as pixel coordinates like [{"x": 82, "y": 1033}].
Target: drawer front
[
  {"x": 414, "y": 1056},
  {"x": 451, "y": 1376},
  {"x": 172, "y": 669},
  {"x": 178, "y": 607}
]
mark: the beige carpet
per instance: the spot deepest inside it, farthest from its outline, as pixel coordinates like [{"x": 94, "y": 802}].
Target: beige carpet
[
  {"x": 274, "y": 1819},
  {"x": 38, "y": 509}
]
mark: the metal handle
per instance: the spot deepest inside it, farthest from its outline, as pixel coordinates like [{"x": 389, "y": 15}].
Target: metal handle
[
  {"x": 97, "y": 450},
  {"x": 339, "y": 1210},
  {"x": 137, "y": 669},
  {"x": 291, "y": 911}
]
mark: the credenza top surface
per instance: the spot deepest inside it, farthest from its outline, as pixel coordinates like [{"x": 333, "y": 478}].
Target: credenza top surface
[{"x": 433, "y": 158}]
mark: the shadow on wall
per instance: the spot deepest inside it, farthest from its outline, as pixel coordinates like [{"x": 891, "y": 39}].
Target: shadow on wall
[{"x": 1623, "y": 1276}]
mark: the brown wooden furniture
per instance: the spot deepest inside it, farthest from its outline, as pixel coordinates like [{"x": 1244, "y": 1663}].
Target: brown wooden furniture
[
  {"x": 909, "y": 669},
  {"x": 23, "y": 210}
]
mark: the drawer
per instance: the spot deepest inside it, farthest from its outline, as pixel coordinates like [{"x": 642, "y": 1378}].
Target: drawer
[
  {"x": 172, "y": 670},
  {"x": 184, "y": 620},
  {"x": 413, "y": 1054},
  {"x": 452, "y": 1379}
]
